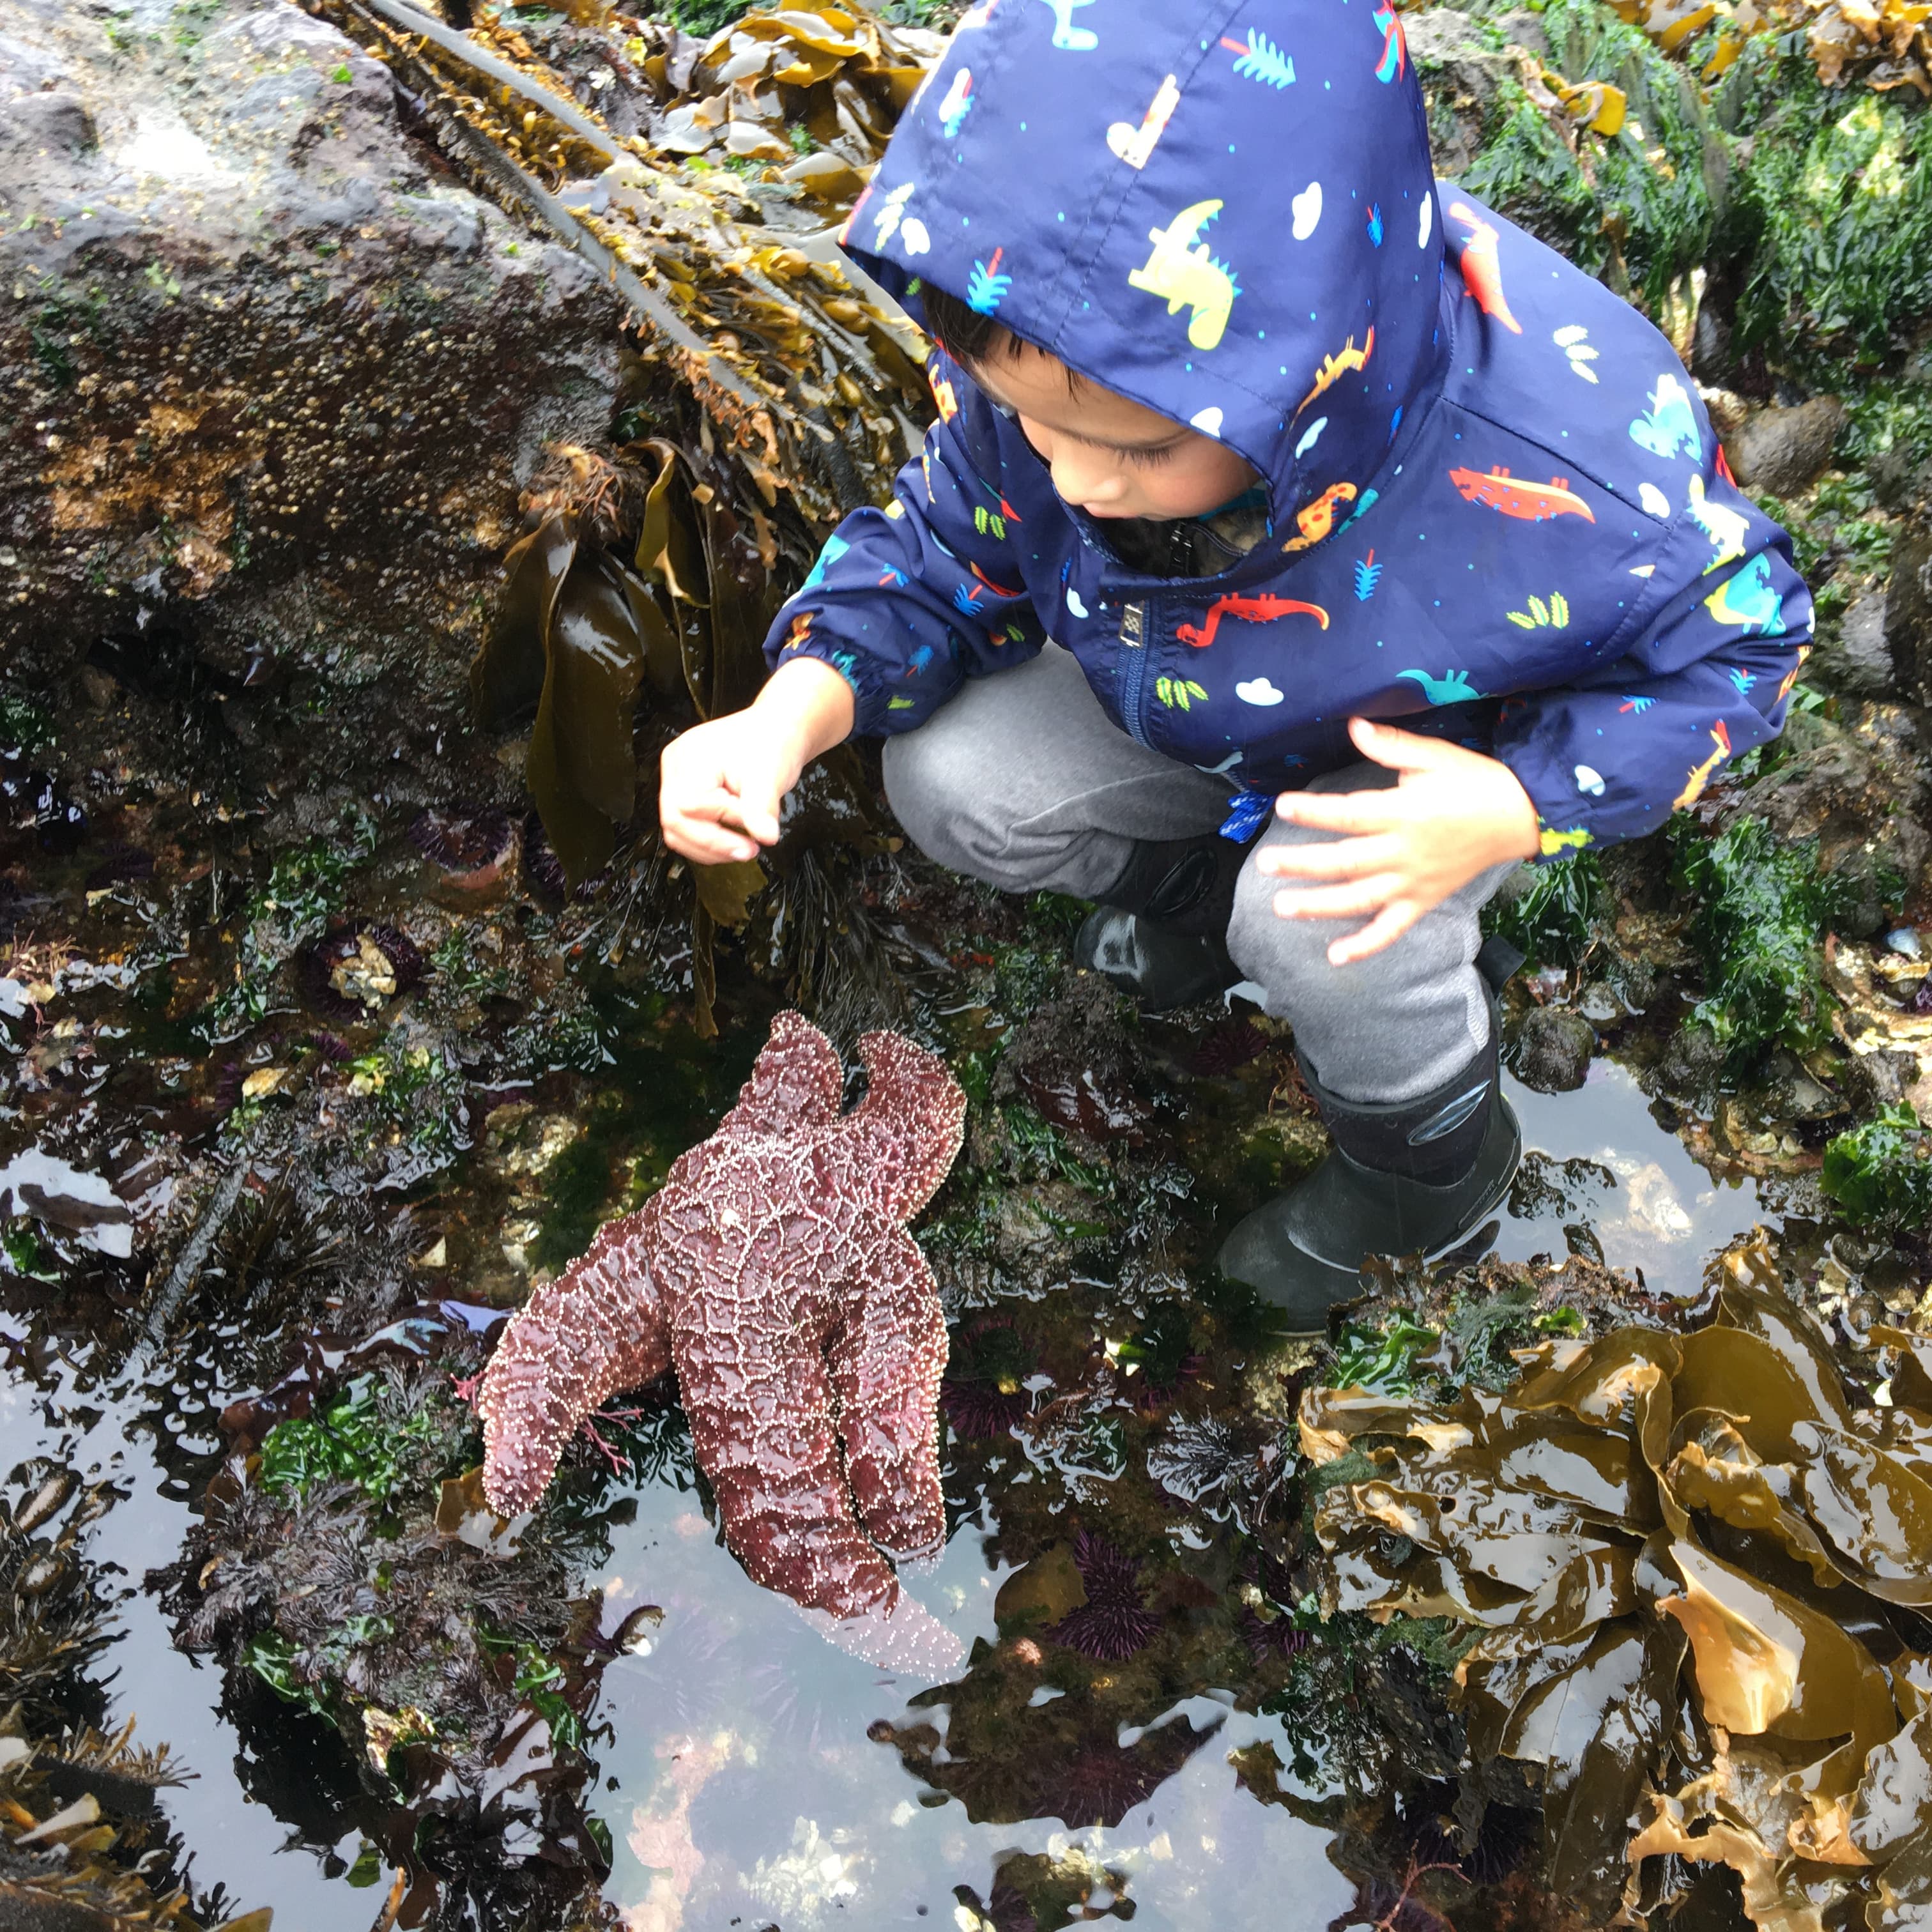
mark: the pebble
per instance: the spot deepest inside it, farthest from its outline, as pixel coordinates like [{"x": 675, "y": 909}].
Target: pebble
[{"x": 1903, "y": 939}]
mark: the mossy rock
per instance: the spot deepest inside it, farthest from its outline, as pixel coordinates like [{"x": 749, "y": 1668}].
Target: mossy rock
[
  {"x": 1638, "y": 207},
  {"x": 1834, "y": 208}
]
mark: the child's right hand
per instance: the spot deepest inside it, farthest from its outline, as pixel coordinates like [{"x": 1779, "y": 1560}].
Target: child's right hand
[{"x": 721, "y": 784}]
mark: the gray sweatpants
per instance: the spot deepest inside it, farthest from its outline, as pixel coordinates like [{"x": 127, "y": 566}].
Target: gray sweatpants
[{"x": 1022, "y": 781}]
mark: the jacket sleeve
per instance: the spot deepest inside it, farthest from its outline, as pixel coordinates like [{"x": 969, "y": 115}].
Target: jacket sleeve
[
  {"x": 908, "y": 601},
  {"x": 1612, "y": 755}
]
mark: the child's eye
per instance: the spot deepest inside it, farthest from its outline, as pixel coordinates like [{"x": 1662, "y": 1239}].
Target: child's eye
[{"x": 1147, "y": 458}]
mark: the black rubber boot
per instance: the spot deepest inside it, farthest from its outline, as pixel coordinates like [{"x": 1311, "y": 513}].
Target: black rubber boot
[
  {"x": 1415, "y": 1175},
  {"x": 1160, "y": 932}
]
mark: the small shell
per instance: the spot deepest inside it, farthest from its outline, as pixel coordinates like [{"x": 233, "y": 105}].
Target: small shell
[{"x": 1903, "y": 939}]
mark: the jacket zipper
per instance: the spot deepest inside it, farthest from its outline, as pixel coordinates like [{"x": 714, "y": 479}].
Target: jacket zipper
[{"x": 1133, "y": 671}]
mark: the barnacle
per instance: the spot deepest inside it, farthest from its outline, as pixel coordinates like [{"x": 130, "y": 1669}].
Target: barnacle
[{"x": 1691, "y": 1574}]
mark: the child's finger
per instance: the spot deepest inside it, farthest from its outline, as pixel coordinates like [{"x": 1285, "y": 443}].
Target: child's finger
[
  {"x": 1341, "y": 859},
  {"x": 735, "y": 814},
  {"x": 703, "y": 847},
  {"x": 1355, "y": 811},
  {"x": 1402, "y": 751},
  {"x": 696, "y": 829},
  {"x": 757, "y": 812},
  {"x": 1388, "y": 926},
  {"x": 1358, "y": 896}
]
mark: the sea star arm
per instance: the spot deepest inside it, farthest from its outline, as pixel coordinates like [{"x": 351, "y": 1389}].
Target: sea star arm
[
  {"x": 760, "y": 1402},
  {"x": 909, "y": 1123},
  {"x": 886, "y": 1362},
  {"x": 598, "y": 1327},
  {"x": 797, "y": 1082}
]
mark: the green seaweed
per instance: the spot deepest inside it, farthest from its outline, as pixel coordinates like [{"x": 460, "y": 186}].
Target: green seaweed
[
  {"x": 303, "y": 888},
  {"x": 1760, "y": 909},
  {"x": 1552, "y": 921},
  {"x": 1640, "y": 207},
  {"x": 353, "y": 1442},
  {"x": 1382, "y": 1360},
  {"x": 1882, "y": 1171},
  {"x": 1835, "y": 210}
]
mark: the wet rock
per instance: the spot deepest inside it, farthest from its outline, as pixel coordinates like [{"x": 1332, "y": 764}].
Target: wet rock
[
  {"x": 1857, "y": 784},
  {"x": 1857, "y": 661},
  {"x": 1075, "y": 1059},
  {"x": 1461, "y": 75},
  {"x": 1780, "y": 450},
  {"x": 280, "y": 379},
  {"x": 1908, "y": 609},
  {"x": 1693, "y": 1060},
  {"x": 1598, "y": 1004},
  {"x": 1791, "y": 1094},
  {"x": 1875, "y": 1080},
  {"x": 1551, "y": 1050}
]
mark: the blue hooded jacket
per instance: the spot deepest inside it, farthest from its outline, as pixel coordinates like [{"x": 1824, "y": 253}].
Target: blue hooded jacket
[{"x": 1497, "y": 509}]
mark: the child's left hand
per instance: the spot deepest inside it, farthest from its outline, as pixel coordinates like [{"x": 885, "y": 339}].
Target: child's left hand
[{"x": 1454, "y": 814}]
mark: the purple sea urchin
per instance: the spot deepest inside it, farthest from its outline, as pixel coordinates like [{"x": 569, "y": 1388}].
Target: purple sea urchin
[
  {"x": 352, "y": 973},
  {"x": 1113, "y": 1623},
  {"x": 475, "y": 849}
]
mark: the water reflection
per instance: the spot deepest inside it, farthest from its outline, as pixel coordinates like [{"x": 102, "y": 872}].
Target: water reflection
[
  {"x": 742, "y": 1786},
  {"x": 1599, "y": 1174}
]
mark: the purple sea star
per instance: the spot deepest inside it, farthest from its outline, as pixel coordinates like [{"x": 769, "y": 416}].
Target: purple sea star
[{"x": 774, "y": 1271}]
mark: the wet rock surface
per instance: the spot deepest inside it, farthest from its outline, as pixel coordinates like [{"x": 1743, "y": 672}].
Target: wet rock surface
[
  {"x": 1779, "y": 450},
  {"x": 272, "y": 377},
  {"x": 1551, "y": 1049}
]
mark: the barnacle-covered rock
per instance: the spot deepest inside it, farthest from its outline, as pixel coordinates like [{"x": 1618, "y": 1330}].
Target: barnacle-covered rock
[
  {"x": 1691, "y": 1569},
  {"x": 247, "y": 386}
]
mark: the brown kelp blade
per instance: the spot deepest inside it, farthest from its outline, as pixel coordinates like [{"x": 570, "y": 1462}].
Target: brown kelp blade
[
  {"x": 1746, "y": 1685},
  {"x": 581, "y": 768},
  {"x": 506, "y": 678}
]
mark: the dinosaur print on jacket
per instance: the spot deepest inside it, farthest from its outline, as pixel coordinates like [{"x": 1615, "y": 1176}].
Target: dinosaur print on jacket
[
  {"x": 1726, "y": 528},
  {"x": 1746, "y": 598},
  {"x": 1134, "y": 146},
  {"x": 1395, "y": 42},
  {"x": 1260, "y": 610},
  {"x": 1475, "y": 393},
  {"x": 1517, "y": 497},
  {"x": 1316, "y": 519},
  {"x": 1182, "y": 269},
  {"x": 1482, "y": 266},
  {"x": 1669, "y": 427},
  {"x": 1700, "y": 775},
  {"x": 1333, "y": 367},
  {"x": 1066, "y": 34},
  {"x": 1453, "y": 687}
]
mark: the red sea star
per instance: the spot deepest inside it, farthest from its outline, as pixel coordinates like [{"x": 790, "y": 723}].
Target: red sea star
[{"x": 774, "y": 1271}]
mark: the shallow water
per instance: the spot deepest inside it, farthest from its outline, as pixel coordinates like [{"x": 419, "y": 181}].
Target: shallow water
[
  {"x": 743, "y": 1786},
  {"x": 1606, "y": 1165},
  {"x": 748, "y": 1772}
]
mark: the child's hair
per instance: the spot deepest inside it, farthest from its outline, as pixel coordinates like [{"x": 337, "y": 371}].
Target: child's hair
[{"x": 970, "y": 337}]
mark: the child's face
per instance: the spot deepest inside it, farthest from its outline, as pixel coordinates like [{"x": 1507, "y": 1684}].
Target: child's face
[{"x": 1108, "y": 456}]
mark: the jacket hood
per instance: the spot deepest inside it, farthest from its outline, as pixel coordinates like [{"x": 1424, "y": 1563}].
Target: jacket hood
[{"x": 1225, "y": 212}]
